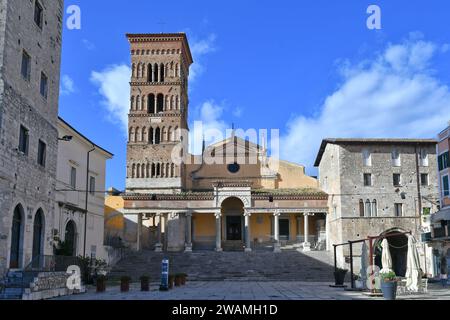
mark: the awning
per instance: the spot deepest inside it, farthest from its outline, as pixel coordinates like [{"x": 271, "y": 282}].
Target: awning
[{"x": 443, "y": 214}]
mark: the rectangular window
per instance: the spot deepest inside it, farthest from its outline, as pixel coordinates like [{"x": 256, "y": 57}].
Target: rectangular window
[
  {"x": 42, "y": 150},
  {"x": 38, "y": 14},
  {"x": 367, "y": 179},
  {"x": 26, "y": 65},
  {"x": 398, "y": 209},
  {"x": 367, "y": 158},
  {"x": 396, "y": 158},
  {"x": 397, "y": 179},
  {"x": 443, "y": 161},
  {"x": 73, "y": 177},
  {"x": 424, "y": 179},
  {"x": 44, "y": 85},
  {"x": 445, "y": 185},
  {"x": 92, "y": 185},
  {"x": 23, "y": 140},
  {"x": 424, "y": 158}
]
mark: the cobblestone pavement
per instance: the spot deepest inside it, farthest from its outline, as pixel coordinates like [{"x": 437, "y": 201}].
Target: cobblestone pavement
[{"x": 231, "y": 290}]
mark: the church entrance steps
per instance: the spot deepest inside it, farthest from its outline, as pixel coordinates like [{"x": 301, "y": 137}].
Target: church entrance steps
[{"x": 288, "y": 265}]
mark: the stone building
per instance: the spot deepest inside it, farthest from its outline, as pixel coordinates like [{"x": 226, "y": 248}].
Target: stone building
[
  {"x": 376, "y": 187},
  {"x": 243, "y": 203},
  {"x": 71, "y": 218},
  {"x": 30, "y": 54},
  {"x": 439, "y": 236}
]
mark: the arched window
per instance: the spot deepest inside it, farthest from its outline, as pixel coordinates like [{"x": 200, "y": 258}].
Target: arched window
[
  {"x": 153, "y": 170},
  {"x": 368, "y": 208},
  {"x": 138, "y": 71},
  {"x": 151, "y": 103},
  {"x": 160, "y": 103},
  {"x": 176, "y": 134},
  {"x": 177, "y": 103},
  {"x": 172, "y": 170},
  {"x": 138, "y": 103},
  {"x": 132, "y": 103},
  {"x": 144, "y": 134},
  {"x": 143, "y": 170},
  {"x": 374, "y": 208},
  {"x": 164, "y": 134},
  {"x": 155, "y": 73},
  {"x": 161, "y": 70},
  {"x": 133, "y": 171},
  {"x": 361, "y": 208},
  {"x": 171, "y": 103},
  {"x": 163, "y": 170},
  {"x": 131, "y": 138},
  {"x": 157, "y": 136},
  {"x": 177, "y": 70},
  {"x": 137, "y": 135},
  {"x": 138, "y": 171},
  {"x": 167, "y": 170},
  {"x": 143, "y": 71},
  {"x": 133, "y": 70},
  {"x": 158, "y": 170},
  {"x": 70, "y": 237},
  {"x": 169, "y": 134},
  {"x": 150, "y": 73},
  {"x": 147, "y": 171},
  {"x": 166, "y": 104},
  {"x": 151, "y": 139}
]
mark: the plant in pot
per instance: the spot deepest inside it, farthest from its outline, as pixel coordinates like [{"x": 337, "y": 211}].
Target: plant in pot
[
  {"x": 145, "y": 283},
  {"x": 177, "y": 280},
  {"x": 358, "y": 281},
  {"x": 171, "y": 280},
  {"x": 125, "y": 284},
  {"x": 101, "y": 283},
  {"x": 183, "y": 278},
  {"x": 389, "y": 285},
  {"x": 339, "y": 276}
]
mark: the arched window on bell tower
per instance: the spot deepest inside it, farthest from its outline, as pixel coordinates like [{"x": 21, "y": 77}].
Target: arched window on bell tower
[
  {"x": 158, "y": 136},
  {"x": 150, "y": 73},
  {"x": 160, "y": 103},
  {"x": 150, "y": 136},
  {"x": 161, "y": 70},
  {"x": 151, "y": 103},
  {"x": 155, "y": 73}
]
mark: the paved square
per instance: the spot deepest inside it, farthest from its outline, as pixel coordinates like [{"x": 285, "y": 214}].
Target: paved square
[{"x": 233, "y": 290}]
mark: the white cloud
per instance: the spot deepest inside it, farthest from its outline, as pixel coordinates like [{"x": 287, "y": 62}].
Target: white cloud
[
  {"x": 200, "y": 48},
  {"x": 88, "y": 44},
  {"x": 396, "y": 94},
  {"x": 212, "y": 128},
  {"x": 67, "y": 85},
  {"x": 112, "y": 84}
]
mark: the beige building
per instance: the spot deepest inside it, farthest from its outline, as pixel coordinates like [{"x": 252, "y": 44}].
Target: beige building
[
  {"x": 82, "y": 229},
  {"x": 248, "y": 201}
]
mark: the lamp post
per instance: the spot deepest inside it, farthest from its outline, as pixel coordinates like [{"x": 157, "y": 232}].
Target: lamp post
[{"x": 86, "y": 198}]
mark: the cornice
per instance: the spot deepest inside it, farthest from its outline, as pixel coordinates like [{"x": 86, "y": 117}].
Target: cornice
[{"x": 155, "y": 84}]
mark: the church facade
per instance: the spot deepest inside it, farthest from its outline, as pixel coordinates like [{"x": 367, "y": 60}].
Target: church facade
[{"x": 243, "y": 200}]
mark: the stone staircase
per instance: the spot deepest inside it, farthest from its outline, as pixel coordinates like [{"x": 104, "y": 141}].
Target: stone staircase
[
  {"x": 14, "y": 284},
  {"x": 289, "y": 265}
]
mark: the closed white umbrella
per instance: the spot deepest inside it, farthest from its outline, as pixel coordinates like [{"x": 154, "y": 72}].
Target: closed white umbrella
[
  {"x": 364, "y": 265},
  {"x": 413, "y": 273},
  {"x": 386, "y": 259}
]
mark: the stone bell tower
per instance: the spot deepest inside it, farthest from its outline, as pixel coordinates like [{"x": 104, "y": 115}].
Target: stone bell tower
[{"x": 158, "y": 110}]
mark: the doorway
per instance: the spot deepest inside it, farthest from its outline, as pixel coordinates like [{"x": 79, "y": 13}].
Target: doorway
[
  {"x": 234, "y": 228},
  {"x": 284, "y": 229},
  {"x": 16, "y": 238},
  {"x": 38, "y": 238}
]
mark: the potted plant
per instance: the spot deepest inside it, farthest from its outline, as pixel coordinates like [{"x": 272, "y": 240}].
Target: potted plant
[
  {"x": 125, "y": 284},
  {"x": 177, "y": 279},
  {"x": 145, "y": 283},
  {"x": 358, "y": 281},
  {"x": 101, "y": 283},
  {"x": 339, "y": 276},
  {"x": 171, "y": 280},
  {"x": 183, "y": 278},
  {"x": 389, "y": 285}
]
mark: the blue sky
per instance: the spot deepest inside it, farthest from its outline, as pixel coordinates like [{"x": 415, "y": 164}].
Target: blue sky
[{"x": 311, "y": 69}]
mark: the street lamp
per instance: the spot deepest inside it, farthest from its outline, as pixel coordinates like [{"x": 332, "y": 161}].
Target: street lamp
[{"x": 86, "y": 198}]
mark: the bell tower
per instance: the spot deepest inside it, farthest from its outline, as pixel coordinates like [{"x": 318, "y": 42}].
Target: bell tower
[{"x": 158, "y": 111}]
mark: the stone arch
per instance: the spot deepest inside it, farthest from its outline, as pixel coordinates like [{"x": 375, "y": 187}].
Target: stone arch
[
  {"x": 17, "y": 237},
  {"x": 70, "y": 237},
  {"x": 243, "y": 199},
  {"x": 398, "y": 247}
]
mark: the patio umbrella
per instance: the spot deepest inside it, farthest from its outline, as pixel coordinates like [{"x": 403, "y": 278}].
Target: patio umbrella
[
  {"x": 364, "y": 265},
  {"x": 413, "y": 273},
  {"x": 386, "y": 259}
]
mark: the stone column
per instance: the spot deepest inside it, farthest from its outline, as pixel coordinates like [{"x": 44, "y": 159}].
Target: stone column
[
  {"x": 248, "y": 247},
  {"x": 306, "y": 244},
  {"x": 158, "y": 246},
  {"x": 298, "y": 243},
  {"x": 276, "y": 231},
  {"x": 139, "y": 233},
  {"x": 188, "y": 245},
  {"x": 218, "y": 215}
]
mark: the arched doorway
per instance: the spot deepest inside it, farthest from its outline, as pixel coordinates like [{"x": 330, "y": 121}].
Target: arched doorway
[
  {"x": 38, "y": 237},
  {"x": 15, "y": 260},
  {"x": 70, "y": 238},
  {"x": 233, "y": 213},
  {"x": 398, "y": 247}
]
